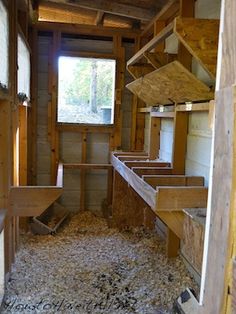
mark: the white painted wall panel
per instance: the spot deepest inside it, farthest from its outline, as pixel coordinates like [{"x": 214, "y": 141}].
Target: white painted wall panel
[
  {"x": 166, "y": 139},
  {"x": 198, "y": 146}
]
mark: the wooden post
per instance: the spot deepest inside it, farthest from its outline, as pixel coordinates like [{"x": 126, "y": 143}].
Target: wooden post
[
  {"x": 179, "y": 142},
  {"x": 83, "y": 172},
  {"x": 217, "y": 291},
  {"x": 154, "y": 144},
  {"x": 120, "y": 70},
  {"x": 54, "y": 88},
  {"x": 32, "y": 112},
  {"x": 186, "y": 10}
]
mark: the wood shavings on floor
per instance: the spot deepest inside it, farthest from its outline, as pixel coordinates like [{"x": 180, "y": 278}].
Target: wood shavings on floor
[{"x": 89, "y": 268}]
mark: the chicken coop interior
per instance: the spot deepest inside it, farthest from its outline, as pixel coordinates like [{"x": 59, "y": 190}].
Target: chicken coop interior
[{"x": 118, "y": 156}]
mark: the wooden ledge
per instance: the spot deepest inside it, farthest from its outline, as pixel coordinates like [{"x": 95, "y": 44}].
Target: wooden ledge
[
  {"x": 176, "y": 198},
  {"x": 140, "y": 171},
  {"x": 173, "y": 180},
  {"x": 3, "y": 213},
  {"x": 152, "y": 164},
  {"x": 86, "y": 166}
]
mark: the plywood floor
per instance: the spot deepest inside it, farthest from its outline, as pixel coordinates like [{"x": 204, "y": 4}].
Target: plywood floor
[{"x": 89, "y": 268}]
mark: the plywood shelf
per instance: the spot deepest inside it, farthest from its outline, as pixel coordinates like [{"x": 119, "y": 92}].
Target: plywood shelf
[{"x": 172, "y": 83}]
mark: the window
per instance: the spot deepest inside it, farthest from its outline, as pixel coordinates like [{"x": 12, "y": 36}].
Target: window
[
  {"x": 23, "y": 70},
  {"x": 4, "y": 52},
  {"x": 86, "y": 90}
]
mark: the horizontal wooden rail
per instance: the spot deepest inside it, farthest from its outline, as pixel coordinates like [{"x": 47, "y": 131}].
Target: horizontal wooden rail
[
  {"x": 173, "y": 180},
  {"x": 86, "y": 166},
  {"x": 152, "y": 164}
]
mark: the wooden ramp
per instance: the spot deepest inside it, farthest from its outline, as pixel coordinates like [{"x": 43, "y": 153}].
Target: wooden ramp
[{"x": 29, "y": 201}]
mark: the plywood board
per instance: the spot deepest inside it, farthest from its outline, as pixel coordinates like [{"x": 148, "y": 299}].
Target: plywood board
[
  {"x": 200, "y": 37},
  {"x": 172, "y": 83},
  {"x": 28, "y": 201}
]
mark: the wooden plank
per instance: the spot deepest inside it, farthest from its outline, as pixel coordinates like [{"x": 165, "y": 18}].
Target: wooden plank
[
  {"x": 110, "y": 185},
  {"x": 116, "y": 8},
  {"x": 152, "y": 164},
  {"x": 177, "y": 198},
  {"x": 145, "y": 109},
  {"x": 169, "y": 10},
  {"x": 99, "y": 18},
  {"x": 132, "y": 153},
  {"x": 86, "y": 29},
  {"x": 140, "y": 171},
  {"x": 187, "y": 8},
  {"x": 174, "y": 220},
  {"x": 193, "y": 242},
  {"x": 72, "y": 127},
  {"x": 142, "y": 188},
  {"x": 154, "y": 144},
  {"x": 140, "y": 69},
  {"x": 200, "y": 37},
  {"x": 159, "y": 59},
  {"x": 82, "y": 172},
  {"x": 86, "y": 166},
  {"x": 120, "y": 80},
  {"x": 180, "y": 142},
  {"x": 54, "y": 92},
  {"x": 173, "y": 180},
  {"x": 133, "y": 158},
  {"x": 32, "y": 117},
  {"x": 194, "y": 107},
  {"x": 28, "y": 201},
  {"x": 166, "y": 32},
  {"x": 172, "y": 244},
  {"x": 167, "y": 114},
  {"x": 221, "y": 210},
  {"x": 172, "y": 83}
]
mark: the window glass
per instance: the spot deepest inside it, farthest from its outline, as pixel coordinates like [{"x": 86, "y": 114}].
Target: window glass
[{"x": 86, "y": 90}]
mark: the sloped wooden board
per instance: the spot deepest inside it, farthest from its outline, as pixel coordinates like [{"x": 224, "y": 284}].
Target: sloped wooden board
[
  {"x": 200, "y": 37},
  {"x": 169, "y": 84},
  {"x": 27, "y": 201}
]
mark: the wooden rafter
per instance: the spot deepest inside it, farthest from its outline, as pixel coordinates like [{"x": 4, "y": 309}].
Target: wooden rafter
[
  {"x": 110, "y": 7},
  {"x": 99, "y": 17}
]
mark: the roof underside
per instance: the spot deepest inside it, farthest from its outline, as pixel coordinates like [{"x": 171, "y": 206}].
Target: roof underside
[{"x": 120, "y": 13}]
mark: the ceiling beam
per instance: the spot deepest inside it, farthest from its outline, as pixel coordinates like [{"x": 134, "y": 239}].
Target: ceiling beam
[
  {"x": 99, "y": 18},
  {"x": 111, "y": 7}
]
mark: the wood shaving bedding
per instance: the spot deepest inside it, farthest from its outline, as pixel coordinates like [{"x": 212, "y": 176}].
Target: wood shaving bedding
[{"x": 90, "y": 268}]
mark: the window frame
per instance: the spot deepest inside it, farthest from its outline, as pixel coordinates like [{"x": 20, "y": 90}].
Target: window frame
[{"x": 85, "y": 127}]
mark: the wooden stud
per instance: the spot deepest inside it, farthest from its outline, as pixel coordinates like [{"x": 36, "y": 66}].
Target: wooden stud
[
  {"x": 173, "y": 244},
  {"x": 83, "y": 172},
  {"x": 180, "y": 142},
  {"x": 154, "y": 144},
  {"x": 54, "y": 134}
]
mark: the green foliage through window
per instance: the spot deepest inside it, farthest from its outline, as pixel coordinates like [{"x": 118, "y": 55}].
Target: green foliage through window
[{"x": 86, "y": 90}]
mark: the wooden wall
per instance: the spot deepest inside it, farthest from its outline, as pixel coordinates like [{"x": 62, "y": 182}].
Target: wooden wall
[
  {"x": 70, "y": 143},
  {"x": 43, "y": 145},
  {"x": 127, "y": 103}
]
